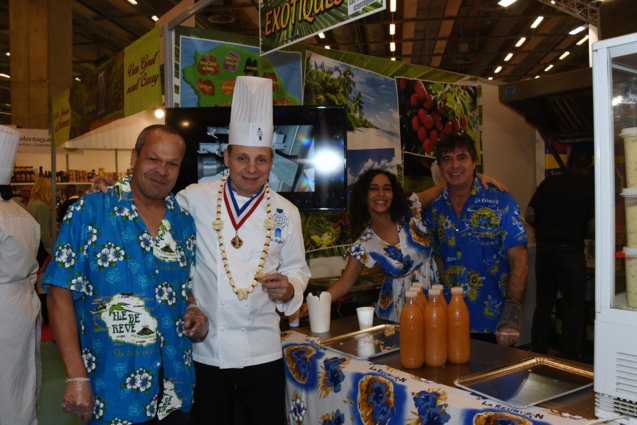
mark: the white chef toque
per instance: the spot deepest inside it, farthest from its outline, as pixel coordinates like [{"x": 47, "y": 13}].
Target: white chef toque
[
  {"x": 9, "y": 139},
  {"x": 251, "y": 113}
]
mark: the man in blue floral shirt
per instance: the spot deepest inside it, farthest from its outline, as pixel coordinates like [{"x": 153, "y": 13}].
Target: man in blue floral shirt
[
  {"x": 119, "y": 294},
  {"x": 479, "y": 243}
]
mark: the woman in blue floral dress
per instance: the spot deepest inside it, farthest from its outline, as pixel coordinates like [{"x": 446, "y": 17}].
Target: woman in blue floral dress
[{"x": 392, "y": 237}]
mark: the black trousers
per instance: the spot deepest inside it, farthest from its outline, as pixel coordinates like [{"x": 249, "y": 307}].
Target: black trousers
[
  {"x": 177, "y": 417},
  {"x": 563, "y": 268},
  {"x": 260, "y": 390}
]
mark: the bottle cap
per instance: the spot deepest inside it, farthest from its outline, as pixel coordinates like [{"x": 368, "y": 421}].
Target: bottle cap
[
  {"x": 434, "y": 292},
  {"x": 457, "y": 290},
  {"x": 410, "y": 294}
]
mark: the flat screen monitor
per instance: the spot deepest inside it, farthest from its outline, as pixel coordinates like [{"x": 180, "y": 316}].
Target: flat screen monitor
[{"x": 310, "y": 145}]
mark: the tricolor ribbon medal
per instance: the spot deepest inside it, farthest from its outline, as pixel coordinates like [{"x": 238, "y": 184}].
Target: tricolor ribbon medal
[{"x": 238, "y": 216}]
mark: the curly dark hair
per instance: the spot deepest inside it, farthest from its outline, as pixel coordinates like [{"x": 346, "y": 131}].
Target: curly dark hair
[{"x": 359, "y": 214}]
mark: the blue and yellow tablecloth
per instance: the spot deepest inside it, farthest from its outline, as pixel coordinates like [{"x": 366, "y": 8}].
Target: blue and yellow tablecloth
[{"x": 326, "y": 388}]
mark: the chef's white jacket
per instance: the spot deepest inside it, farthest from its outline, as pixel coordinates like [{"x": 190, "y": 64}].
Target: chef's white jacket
[
  {"x": 19, "y": 315},
  {"x": 243, "y": 333}
]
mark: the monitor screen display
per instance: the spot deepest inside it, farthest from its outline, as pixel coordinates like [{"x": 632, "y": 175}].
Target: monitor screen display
[{"x": 309, "y": 146}]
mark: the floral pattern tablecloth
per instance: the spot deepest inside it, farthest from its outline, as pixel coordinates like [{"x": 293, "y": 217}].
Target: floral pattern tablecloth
[{"x": 324, "y": 387}]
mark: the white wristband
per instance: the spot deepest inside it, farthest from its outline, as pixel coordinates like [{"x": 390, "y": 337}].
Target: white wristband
[{"x": 76, "y": 380}]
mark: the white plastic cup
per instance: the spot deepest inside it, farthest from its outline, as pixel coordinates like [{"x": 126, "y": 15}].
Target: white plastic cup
[
  {"x": 631, "y": 276},
  {"x": 630, "y": 201},
  {"x": 630, "y": 154},
  {"x": 365, "y": 317}
]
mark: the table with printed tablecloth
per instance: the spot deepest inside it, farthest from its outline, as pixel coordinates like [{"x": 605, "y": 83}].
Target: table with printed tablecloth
[{"x": 325, "y": 387}]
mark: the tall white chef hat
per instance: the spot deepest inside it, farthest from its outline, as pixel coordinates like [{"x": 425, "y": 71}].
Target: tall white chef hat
[
  {"x": 8, "y": 147},
  {"x": 251, "y": 113}
]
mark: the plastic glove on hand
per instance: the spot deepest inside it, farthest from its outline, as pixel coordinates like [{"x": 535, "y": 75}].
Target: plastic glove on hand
[
  {"x": 508, "y": 330},
  {"x": 78, "y": 400}
]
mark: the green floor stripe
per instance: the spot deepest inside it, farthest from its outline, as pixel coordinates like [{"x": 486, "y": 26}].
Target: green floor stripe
[{"x": 53, "y": 375}]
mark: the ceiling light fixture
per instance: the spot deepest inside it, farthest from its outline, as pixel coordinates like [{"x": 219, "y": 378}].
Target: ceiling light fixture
[
  {"x": 392, "y": 46},
  {"x": 565, "y": 54},
  {"x": 78, "y": 79},
  {"x": 548, "y": 68},
  {"x": 506, "y": 3},
  {"x": 582, "y": 41},
  {"x": 520, "y": 42},
  {"x": 537, "y": 21},
  {"x": 154, "y": 18},
  {"x": 490, "y": 78},
  {"x": 8, "y": 53},
  {"x": 537, "y": 76},
  {"x": 321, "y": 35},
  {"x": 327, "y": 47},
  {"x": 577, "y": 30},
  {"x": 160, "y": 113},
  {"x": 5, "y": 76},
  {"x": 498, "y": 69},
  {"x": 393, "y": 58},
  {"x": 132, "y": 1},
  {"x": 392, "y": 29},
  {"x": 508, "y": 57},
  {"x": 392, "y": 6}
]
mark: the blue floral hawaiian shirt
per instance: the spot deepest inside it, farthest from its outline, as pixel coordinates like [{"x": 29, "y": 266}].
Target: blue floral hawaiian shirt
[
  {"x": 130, "y": 293},
  {"x": 403, "y": 264},
  {"x": 473, "y": 247}
]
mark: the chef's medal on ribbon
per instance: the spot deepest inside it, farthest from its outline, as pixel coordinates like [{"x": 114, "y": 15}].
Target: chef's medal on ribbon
[{"x": 238, "y": 216}]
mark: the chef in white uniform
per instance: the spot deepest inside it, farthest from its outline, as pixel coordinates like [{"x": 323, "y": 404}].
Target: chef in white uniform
[
  {"x": 250, "y": 263},
  {"x": 19, "y": 303}
]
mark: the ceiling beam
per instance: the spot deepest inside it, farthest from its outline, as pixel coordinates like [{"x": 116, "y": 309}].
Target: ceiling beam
[{"x": 586, "y": 10}]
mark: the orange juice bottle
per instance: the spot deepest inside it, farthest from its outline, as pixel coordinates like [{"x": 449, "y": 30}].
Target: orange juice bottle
[
  {"x": 435, "y": 330},
  {"x": 458, "y": 337},
  {"x": 420, "y": 290},
  {"x": 442, "y": 293},
  {"x": 411, "y": 333}
]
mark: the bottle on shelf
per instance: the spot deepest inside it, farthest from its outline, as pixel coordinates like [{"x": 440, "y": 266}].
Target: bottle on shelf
[
  {"x": 411, "y": 333},
  {"x": 458, "y": 328},
  {"x": 435, "y": 330}
]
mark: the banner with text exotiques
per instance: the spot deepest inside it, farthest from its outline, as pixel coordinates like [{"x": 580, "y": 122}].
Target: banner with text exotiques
[{"x": 284, "y": 22}]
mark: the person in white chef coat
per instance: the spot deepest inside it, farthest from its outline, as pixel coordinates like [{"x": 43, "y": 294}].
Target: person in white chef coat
[
  {"x": 250, "y": 263},
  {"x": 19, "y": 303}
]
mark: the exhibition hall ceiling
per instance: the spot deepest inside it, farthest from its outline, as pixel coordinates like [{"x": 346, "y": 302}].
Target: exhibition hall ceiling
[{"x": 471, "y": 37}]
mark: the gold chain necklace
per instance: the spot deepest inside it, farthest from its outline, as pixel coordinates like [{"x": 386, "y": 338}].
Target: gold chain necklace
[{"x": 217, "y": 225}]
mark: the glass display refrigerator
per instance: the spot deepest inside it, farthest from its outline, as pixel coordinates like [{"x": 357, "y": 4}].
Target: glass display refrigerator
[{"x": 615, "y": 114}]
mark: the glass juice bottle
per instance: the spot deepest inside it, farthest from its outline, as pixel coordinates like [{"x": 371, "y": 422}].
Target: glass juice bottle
[
  {"x": 435, "y": 330},
  {"x": 458, "y": 329},
  {"x": 411, "y": 333}
]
